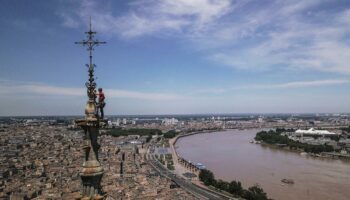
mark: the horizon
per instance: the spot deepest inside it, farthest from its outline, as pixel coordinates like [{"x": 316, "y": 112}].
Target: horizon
[
  {"x": 181, "y": 57},
  {"x": 191, "y": 114}
]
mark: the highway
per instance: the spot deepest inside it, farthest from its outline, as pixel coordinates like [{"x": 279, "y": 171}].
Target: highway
[{"x": 188, "y": 186}]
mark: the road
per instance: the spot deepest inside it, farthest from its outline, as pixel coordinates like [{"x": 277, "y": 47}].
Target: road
[{"x": 190, "y": 187}]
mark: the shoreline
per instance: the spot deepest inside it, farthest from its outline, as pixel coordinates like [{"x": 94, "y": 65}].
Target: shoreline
[
  {"x": 196, "y": 181},
  {"x": 295, "y": 152},
  {"x": 173, "y": 143},
  {"x": 323, "y": 155}
]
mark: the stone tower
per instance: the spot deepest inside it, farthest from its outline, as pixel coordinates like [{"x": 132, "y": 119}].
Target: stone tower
[{"x": 92, "y": 171}]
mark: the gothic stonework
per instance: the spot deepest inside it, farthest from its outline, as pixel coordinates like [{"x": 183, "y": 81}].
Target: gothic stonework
[{"x": 92, "y": 171}]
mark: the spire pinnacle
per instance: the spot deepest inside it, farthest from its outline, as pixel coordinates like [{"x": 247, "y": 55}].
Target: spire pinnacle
[
  {"x": 90, "y": 24},
  {"x": 91, "y": 43}
]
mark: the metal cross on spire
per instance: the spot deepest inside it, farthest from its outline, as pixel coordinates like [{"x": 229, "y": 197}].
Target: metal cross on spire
[{"x": 91, "y": 43}]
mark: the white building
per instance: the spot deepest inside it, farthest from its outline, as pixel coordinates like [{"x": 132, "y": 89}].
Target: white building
[
  {"x": 312, "y": 131},
  {"x": 171, "y": 121}
]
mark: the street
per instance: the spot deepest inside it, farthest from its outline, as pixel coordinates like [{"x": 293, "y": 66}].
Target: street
[{"x": 190, "y": 187}]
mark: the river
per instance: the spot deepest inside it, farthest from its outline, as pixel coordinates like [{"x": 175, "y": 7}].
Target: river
[{"x": 230, "y": 156}]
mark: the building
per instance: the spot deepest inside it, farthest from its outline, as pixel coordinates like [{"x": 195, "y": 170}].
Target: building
[{"x": 312, "y": 131}]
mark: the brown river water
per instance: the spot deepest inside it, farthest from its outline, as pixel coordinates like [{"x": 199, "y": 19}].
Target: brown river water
[{"x": 230, "y": 156}]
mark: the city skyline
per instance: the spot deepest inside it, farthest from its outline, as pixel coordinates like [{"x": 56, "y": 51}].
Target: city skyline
[{"x": 177, "y": 57}]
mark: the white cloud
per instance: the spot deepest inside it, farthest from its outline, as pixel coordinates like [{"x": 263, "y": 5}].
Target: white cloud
[
  {"x": 148, "y": 17},
  {"x": 245, "y": 35},
  {"x": 39, "y": 89},
  {"x": 68, "y": 20},
  {"x": 40, "y": 99},
  {"x": 287, "y": 85},
  {"x": 295, "y": 37},
  {"x": 182, "y": 16},
  {"x": 303, "y": 84},
  {"x": 10, "y": 88},
  {"x": 142, "y": 95}
]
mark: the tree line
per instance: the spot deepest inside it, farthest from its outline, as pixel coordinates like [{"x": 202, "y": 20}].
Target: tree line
[
  {"x": 234, "y": 187},
  {"x": 275, "y": 137},
  {"x": 116, "y": 132},
  {"x": 347, "y": 129},
  {"x": 170, "y": 134}
]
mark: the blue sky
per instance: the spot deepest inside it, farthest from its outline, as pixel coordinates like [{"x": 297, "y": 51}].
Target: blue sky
[{"x": 177, "y": 56}]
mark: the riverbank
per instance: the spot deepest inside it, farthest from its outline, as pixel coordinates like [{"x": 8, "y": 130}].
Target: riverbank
[
  {"x": 325, "y": 155},
  {"x": 322, "y": 155},
  {"x": 229, "y": 155},
  {"x": 278, "y": 138},
  {"x": 180, "y": 170},
  {"x": 206, "y": 179}
]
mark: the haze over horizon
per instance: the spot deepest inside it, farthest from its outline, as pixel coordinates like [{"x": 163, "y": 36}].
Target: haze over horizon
[{"x": 177, "y": 57}]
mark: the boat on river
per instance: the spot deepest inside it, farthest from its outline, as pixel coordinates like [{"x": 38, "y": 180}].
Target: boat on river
[{"x": 287, "y": 181}]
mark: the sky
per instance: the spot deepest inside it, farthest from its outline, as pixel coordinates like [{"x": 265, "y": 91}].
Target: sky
[{"x": 177, "y": 56}]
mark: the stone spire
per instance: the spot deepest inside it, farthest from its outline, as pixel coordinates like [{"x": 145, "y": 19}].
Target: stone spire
[
  {"x": 92, "y": 171},
  {"x": 91, "y": 43}
]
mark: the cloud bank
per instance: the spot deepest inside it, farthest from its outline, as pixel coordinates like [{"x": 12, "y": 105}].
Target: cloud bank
[
  {"x": 21, "y": 98},
  {"x": 245, "y": 35},
  {"x": 42, "y": 89},
  {"x": 22, "y": 88}
]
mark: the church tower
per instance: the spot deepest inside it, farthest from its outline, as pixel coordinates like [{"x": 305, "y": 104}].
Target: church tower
[{"x": 92, "y": 171}]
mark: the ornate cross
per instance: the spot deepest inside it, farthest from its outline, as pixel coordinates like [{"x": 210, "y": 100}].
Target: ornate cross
[{"x": 91, "y": 43}]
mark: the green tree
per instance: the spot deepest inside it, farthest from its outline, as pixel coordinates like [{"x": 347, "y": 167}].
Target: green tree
[
  {"x": 235, "y": 187},
  {"x": 207, "y": 177},
  {"x": 170, "y": 134},
  {"x": 222, "y": 185},
  {"x": 255, "y": 193}
]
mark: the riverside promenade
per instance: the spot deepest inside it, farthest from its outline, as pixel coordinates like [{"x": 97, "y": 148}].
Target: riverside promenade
[{"x": 180, "y": 169}]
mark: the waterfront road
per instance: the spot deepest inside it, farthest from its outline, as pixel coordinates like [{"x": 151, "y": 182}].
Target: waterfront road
[{"x": 187, "y": 185}]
